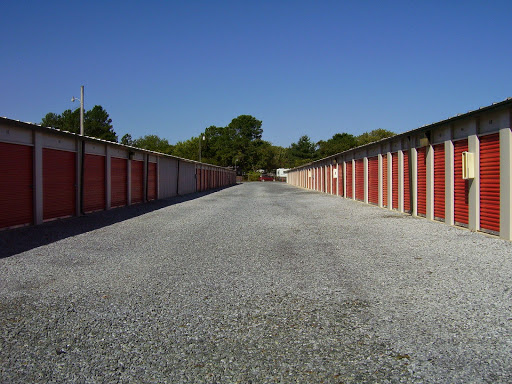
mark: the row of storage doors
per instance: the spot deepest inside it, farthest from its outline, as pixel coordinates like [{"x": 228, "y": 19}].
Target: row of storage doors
[
  {"x": 59, "y": 176},
  {"x": 212, "y": 178},
  {"x": 489, "y": 168}
]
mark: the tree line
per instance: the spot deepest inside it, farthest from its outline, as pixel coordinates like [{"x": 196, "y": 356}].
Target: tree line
[{"x": 238, "y": 144}]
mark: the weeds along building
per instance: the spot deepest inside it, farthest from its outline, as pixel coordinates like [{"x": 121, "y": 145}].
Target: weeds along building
[
  {"x": 47, "y": 174},
  {"x": 458, "y": 171}
]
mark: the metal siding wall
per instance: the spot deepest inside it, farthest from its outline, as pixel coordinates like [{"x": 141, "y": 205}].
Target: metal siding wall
[
  {"x": 394, "y": 179},
  {"x": 439, "y": 181},
  {"x": 422, "y": 181},
  {"x": 119, "y": 180},
  {"x": 490, "y": 182},
  {"x": 94, "y": 183},
  {"x": 187, "y": 179},
  {"x": 461, "y": 186},
  {"x": 384, "y": 180},
  {"x": 167, "y": 173},
  {"x": 373, "y": 180},
  {"x": 59, "y": 183},
  {"x": 407, "y": 190},
  {"x": 360, "y": 179},
  {"x": 16, "y": 180}
]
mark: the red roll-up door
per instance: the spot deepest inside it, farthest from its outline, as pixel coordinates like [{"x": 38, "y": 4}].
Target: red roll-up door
[
  {"x": 16, "y": 178},
  {"x": 328, "y": 172},
  {"x": 340, "y": 179},
  {"x": 407, "y": 184},
  {"x": 59, "y": 183},
  {"x": 384, "y": 180},
  {"x": 137, "y": 181},
  {"x": 394, "y": 179},
  {"x": 152, "y": 185},
  {"x": 198, "y": 179},
  {"x": 373, "y": 180},
  {"x": 439, "y": 182},
  {"x": 119, "y": 180},
  {"x": 461, "y": 186},
  {"x": 94, "y": 183},
  {"x": 490, "y": 182},
  {"x": 360, "y": 179},
  {"x": 422, "y": 181},
  {"x": 349, "y": 180}
]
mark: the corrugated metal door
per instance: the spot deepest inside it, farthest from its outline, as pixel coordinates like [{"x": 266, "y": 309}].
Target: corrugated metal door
[
  {"x": 422, "y": 181},
  {"x": 329, "y": 176},
  {"x": 340, "y": 179},
  {"x": 394, "y": 179},
  {"x": 439, "y": 182},
  {"x": 152, "y": 184},
  {"x": 360, "y": 179},
  {"x": 198, "y": 179},
  {"x": 16, "y": 178},
  {"x": 407, "y": 185},
  {"x": 349, "y": 179},
  {"x": 490, "y": 182},
  {"x": 59, "y": 183},
  {"x": 119, "y": 180},
  {"x": 385, "y": 180},
  {"x": 373, "y": 180},
  {"x": 461, "y": 186},
  {"x": 94, "y": 183},
  {"x": 137, "y": 181}
]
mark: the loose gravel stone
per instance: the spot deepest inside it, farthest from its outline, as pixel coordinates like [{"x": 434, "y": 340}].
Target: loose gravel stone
[{"x": 261, "y": 282}]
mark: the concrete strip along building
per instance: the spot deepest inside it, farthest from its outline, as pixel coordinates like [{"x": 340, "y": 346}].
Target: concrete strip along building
[
  {"x": 458, "y": 171},
  {"x": 47, "y": 174}
]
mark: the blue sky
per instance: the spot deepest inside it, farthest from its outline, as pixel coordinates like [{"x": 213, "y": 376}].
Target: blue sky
[{"x": 172, "y": 68}]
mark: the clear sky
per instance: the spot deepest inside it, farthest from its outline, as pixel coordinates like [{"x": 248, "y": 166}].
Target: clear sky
[{"x": 172, "y": 68}]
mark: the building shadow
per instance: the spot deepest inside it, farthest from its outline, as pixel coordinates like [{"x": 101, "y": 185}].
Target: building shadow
[{"x": 18, "y": 240}]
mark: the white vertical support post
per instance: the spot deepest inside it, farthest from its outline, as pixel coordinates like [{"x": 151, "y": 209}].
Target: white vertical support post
[
  {"x": 37, "y": 189},
  {"x": 353, "y": 186},
  {"x": 474, "y": 185},
  {"x": 365, "y": 162},
  {"x": 430, "y": 182},
  {"x": 158, "y": 178},
  {"x": 400, "y": 159},
  {"x": 449, "y": 175},
  {"x": 379, "y": 157},
  {"x": 108, "y": 178},
  {"x": 414, "y": 181},
  {"x": 390, "y": 180},
  {"x": 505, "y": 183}
]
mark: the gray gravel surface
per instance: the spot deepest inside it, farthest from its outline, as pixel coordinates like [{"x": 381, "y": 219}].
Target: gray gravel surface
[{"x": 261, "y": 283}]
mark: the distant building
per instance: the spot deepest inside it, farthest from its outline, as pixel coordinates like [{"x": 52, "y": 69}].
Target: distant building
[{"x": 281, "y": 172}]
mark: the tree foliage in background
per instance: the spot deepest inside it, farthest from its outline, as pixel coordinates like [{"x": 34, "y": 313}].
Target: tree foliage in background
[
  {"x": 97, "y": 122},
  {"x": 239, "y": 143},
  {"x": 372, "y": 136},
  {"x": 153, "y": 143}
]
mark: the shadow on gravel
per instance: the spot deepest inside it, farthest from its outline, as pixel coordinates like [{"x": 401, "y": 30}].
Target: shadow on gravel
[{"x": 17, "y": 240}]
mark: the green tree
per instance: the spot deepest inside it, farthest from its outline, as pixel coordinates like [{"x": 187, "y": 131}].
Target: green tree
[
  {"x": 338, "y": 143},
  {"x": 153, "y": 143},
  {"x": 97, "y": 122},
  {"x": 127, "y": 139},
  {"x": 372, "y": 136},
  {"x": 302, "y": 152}
]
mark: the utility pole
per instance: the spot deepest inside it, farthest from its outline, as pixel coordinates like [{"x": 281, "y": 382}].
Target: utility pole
[{"x": 73, "y": 99}]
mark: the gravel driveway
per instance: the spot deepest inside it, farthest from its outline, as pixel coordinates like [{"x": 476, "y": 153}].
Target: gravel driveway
[{"x": 261, "y": 283}]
